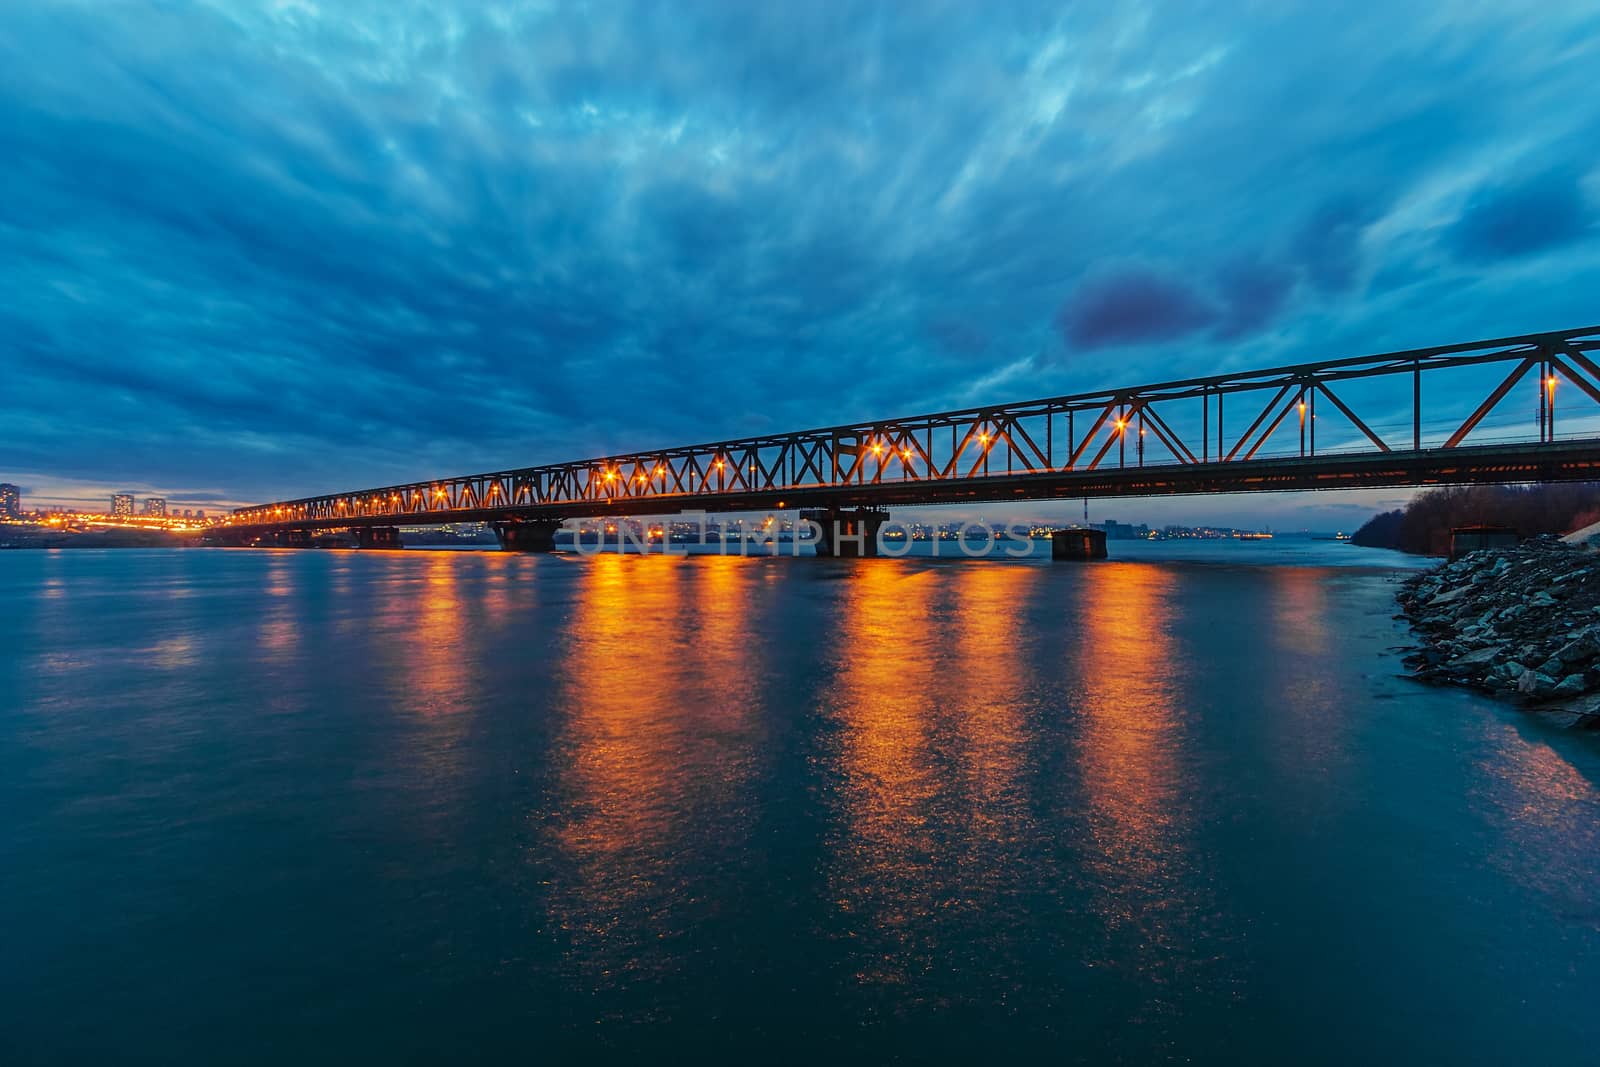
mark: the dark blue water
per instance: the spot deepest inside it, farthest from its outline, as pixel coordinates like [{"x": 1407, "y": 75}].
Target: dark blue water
[{"x": 261, "y": 807}]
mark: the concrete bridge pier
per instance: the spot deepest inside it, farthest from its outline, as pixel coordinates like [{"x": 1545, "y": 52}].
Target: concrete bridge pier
[
  {"x": 1078, "y": 544},
  {"x": 847, "y": 533},
  {"x": 291, "y": 539},
  {"x": 518, "y": 536},
  {"x": 378, "y": 537}
]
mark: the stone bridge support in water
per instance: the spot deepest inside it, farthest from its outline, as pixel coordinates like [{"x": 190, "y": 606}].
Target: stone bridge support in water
[
  {"x": 847, "y": 533},
  {"x": 378, "y": 537},
  {"x": 1078, "y": 544},
  {"x": 530, "y": 536}
]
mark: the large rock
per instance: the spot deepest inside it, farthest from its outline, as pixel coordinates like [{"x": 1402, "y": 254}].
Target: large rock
[
  {"x": 1534, "y": 684},
  {"x": 1570, "y": 686},
  {"x": 1580, "y": 649},
  {"x": 1480, "y": 658}
]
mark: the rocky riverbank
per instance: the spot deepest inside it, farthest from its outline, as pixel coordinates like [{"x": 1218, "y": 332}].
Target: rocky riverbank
[{"x": 1521, "y": 623}]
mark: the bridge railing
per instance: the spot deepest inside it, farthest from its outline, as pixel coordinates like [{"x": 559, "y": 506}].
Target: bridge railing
[{"x": 1333, "y": 407}]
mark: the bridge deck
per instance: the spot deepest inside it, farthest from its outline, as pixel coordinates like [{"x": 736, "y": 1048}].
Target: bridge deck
[{"x": 1562, "y": 461}]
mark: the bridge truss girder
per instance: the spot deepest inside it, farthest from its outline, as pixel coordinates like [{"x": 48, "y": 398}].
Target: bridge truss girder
[{"x": 1145, "y": 440}]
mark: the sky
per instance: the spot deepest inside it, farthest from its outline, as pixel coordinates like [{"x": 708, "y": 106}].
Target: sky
[{"x": 259, "y": 250}]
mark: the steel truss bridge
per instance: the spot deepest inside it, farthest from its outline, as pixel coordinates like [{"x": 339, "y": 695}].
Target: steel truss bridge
[{"x": 1358, "y": 422}]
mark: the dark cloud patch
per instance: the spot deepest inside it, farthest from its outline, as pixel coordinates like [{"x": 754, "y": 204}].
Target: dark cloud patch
[
  {"x": 957, "y": 336},
  {"x": 1132, "y": 305},
  {"x": 1328, "y": 244},
  {"x": 1252, "y": 293},
  {"x": 1522, "y": 217},
  {"x": 699, "y": 227}
]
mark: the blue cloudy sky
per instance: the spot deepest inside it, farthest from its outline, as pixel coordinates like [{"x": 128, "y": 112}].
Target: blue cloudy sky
[{"x": 257, "y": 249}]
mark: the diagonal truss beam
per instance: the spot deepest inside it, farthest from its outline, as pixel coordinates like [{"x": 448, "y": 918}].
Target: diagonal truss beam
[
  {"x": 1355, "y": 420},
  {"x": 1517, "y": 374}
]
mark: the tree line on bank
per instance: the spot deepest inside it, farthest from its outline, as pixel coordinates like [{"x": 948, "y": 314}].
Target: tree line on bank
[{"x": 1423, "y": 526}]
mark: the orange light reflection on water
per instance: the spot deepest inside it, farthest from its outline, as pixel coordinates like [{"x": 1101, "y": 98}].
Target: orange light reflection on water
[
  {"x": 279, "y": 623},
  {"x": 653, "y": 757},
  {"x": 1535, "y": 805},
  {"x": 886, "y": 850},
  {"x": 439, "y": 678},
  {"x": 1137, "y": 827},
  {"x": 1130, "y": 728},
  {"x": 934, "y": 829},
  {"x": 1302, "y": 683}
]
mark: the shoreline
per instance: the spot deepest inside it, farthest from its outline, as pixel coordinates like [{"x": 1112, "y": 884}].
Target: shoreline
[{"x": 1521, "y": 624}]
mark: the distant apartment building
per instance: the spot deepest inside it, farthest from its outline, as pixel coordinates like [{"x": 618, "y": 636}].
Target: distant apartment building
[
  {"x": 155, "y": 507},
  {"x": 122, "y": 504},
  {"x": 1121, "y": 531},
  {"x": 10, "y": 501}
]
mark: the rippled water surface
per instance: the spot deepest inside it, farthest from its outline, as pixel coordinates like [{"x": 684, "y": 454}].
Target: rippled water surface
[{"x": 388, "y": 806}]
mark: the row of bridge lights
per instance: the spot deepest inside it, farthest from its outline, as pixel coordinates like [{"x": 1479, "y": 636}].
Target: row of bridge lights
[
  {"x": 659, "y": 473},
  {"x": 642, "y": 478}
]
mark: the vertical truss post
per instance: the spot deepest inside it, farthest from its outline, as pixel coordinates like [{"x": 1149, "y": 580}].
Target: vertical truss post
[
  {"x": 1546, "y": 415},
  {"x": 1416, "y": 406},
  {"x": 1313, "y": 422},
  {"x": 1550, "y": 392},
  {"x": 1301, "y": 404}
]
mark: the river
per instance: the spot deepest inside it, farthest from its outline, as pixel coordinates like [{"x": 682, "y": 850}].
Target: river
[{"x": 260, "y": 807}]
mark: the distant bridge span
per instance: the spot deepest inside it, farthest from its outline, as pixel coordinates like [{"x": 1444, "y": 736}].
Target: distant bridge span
[{"x": 1476, "y": 412}]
